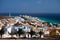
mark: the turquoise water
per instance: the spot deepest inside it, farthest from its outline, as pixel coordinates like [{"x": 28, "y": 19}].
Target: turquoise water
[
  {"x": 49, "y": 20},
  {"x": 53, "y": 18}
]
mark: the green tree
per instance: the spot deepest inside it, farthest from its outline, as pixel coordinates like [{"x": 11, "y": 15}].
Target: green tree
[
  {"x": 32, "y": 32},
  {"x": 20, "y": 32},
  {"x": 2, "y": 32},
  {"x": 41, "y": 33}
]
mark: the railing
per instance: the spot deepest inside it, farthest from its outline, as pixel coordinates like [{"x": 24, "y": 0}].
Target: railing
[
  {"x": 21, "y": 39},
  {"x": 29, "y": 39},
  {"x": 45, "y": 38}
]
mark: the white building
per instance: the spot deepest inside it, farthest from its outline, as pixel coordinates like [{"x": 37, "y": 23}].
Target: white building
[
  {"x": 18, "y": 19},
  {"x": 10, "y": 28}
]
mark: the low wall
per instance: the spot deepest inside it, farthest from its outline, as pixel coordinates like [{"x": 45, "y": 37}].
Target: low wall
[
  {"x": 20, "y": 39},
  {"x": 31, "y": 39}
]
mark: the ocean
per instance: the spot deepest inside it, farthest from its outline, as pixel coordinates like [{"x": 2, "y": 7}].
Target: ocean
[{"x": 53, "y": 18}]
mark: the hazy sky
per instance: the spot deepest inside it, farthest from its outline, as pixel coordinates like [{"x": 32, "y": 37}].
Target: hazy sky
[{"x": 30, "y": 6}]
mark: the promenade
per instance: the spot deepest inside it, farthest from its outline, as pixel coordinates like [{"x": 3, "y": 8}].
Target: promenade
[{"x": 32, "y": 39}]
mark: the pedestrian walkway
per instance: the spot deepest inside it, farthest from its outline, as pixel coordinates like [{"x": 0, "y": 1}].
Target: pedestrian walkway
[{"x": 31, "y": 39}]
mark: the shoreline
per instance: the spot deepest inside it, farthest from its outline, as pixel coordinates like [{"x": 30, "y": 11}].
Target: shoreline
[
  {"x": 40, "y": 18},
  {"x": 27, "y": 24},
  {"x": 48, "y": 20}
]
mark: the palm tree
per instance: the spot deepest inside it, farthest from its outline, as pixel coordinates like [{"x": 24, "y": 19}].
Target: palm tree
[
  {"x": 2, "y": 32},
  {"x": 41, "y": 33},
  {"x": 32, "y": 32},
  {"x": 20, "y": 32}
]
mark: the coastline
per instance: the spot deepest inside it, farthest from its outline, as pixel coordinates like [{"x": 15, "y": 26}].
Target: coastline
[
  {"x": 26, "y": 24},
  {"x": 53, "y": 18},
  {"x": 49, "y": 20},
  {"x": 41, "y": 18}
]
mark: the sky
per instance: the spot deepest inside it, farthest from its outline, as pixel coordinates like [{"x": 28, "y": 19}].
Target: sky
[{"x": 29, "y": 6}]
